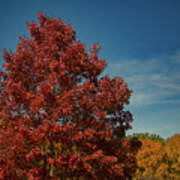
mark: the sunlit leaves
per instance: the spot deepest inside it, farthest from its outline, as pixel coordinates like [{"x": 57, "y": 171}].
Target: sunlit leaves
[
  {"x": 158, "y": 160},
  {"x": 60, "y": 119}
]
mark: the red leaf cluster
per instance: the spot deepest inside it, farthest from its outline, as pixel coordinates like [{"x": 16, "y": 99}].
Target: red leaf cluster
[{"x": 59, "y": 119}]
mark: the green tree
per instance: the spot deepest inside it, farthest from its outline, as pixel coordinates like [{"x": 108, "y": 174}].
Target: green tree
[{"x": 145, "y": 136}]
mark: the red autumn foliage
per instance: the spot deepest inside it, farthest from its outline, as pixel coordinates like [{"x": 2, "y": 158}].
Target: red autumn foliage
[{"x": 51, "y": 93}]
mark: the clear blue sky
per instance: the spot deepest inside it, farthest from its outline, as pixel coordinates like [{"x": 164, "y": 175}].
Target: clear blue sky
[{"x": 140, "y": 41}]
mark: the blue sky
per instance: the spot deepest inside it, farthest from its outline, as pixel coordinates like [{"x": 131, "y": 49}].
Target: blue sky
[{"x": 140, "y": 42}]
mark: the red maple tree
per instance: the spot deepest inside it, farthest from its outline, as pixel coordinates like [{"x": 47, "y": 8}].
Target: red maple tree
[{"x": 59, "y": 119}]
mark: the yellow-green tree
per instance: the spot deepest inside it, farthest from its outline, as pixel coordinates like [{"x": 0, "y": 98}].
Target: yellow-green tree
[
  {"x": 172, "y": 149},
  {"x": 151, "y": 160}
]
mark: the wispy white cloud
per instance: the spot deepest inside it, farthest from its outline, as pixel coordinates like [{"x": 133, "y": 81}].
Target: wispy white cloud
[
  {"x": 176, "y": 57},
  {"x": 153, "y": 80}
]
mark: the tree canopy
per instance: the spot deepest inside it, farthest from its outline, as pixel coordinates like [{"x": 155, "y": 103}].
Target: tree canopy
[
  {"x": 60, "y": 120},
  {"x": 158, "y": 160}
]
